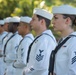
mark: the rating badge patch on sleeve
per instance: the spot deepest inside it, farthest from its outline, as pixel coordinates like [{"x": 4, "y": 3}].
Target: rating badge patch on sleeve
[
  {"x": 39, "y": 56},
  {"x": 74, "y": 58}
]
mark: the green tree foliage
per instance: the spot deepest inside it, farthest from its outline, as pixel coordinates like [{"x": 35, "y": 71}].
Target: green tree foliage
[
  {"x": 25, "y": 7},
  {"x": 59, "y": 2},
  {"x": 7, "y": 7},
  {"x": 16, "y": 8}
]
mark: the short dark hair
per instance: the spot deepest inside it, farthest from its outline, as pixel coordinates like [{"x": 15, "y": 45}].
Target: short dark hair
[
  {"x": 72, "y": 17},
  {"x": 46, "y": 20},
  {"x": 16, "y": 23},
  {"x": 12, "y": 27}
]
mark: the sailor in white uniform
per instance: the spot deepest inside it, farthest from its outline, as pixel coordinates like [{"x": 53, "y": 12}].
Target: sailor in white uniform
[
  {"x": 3, "y": 33},
  {"x": 9, "y": 34},
  {"x": 11, "y": 46},
  {"x": 40, "y": 50},
  {"x": 63, "y": 21},
  {"x": 6, "y": 23},
  {"x": 24, "y": 31}
]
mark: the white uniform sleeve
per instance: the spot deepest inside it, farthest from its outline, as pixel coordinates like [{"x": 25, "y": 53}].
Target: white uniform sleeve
[
  {"x": 72, "y": 59},
  {"x": 42, "y": 53},
  {"x": 22, "y": 53}
]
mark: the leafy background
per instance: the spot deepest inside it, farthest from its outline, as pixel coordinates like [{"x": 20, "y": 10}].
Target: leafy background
[{"x": 25, "y": 8}]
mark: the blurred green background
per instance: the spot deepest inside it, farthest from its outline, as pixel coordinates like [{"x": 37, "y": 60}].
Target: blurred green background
[{"x": 25, "y": 8}]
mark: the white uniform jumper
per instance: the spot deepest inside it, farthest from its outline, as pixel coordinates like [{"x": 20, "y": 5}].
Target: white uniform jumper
[
  {"x": 38, "y": 62},
  {"x": 22, "y": 53},
  {"x": 5, "y": 39},
  {"x": 10, "y": 52},
  {"x": 3, "y": 44},
  {"x": 1, "y": 58},
  {"x": 65, "y": 60},
  {"x": 1, "y": 38}
]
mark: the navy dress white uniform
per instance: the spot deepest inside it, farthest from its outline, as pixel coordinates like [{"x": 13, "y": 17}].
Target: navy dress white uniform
[
  {"x": 6, "y": 20},
  {"x": 38, "y": 59},
  {"x": 23, "y": 49},
  {"x": 5, "y": 39},
  {"x": 4, "y": 42},
  {"x": 65, "y": 63},
  {"x": 10, "y": 51},
  {"x": 65, "y": 59},
  {"x": 2, "y": 35}
]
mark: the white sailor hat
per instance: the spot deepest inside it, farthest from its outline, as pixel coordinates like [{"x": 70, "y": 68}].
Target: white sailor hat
[
  {"x": 15, "y": 19},
  {"x": 64, "y": 9},
  {"x": 7, "y": 20},
  {"x": 43, "y": 13},
  {"x": 25, "y": 19},
  {"x": 1, "y": 22}
]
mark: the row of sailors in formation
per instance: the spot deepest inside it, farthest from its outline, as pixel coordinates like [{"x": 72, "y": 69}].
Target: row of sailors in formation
[
  {"x": 16, "y": 40},
  {"x": 21, "y": 54}
]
